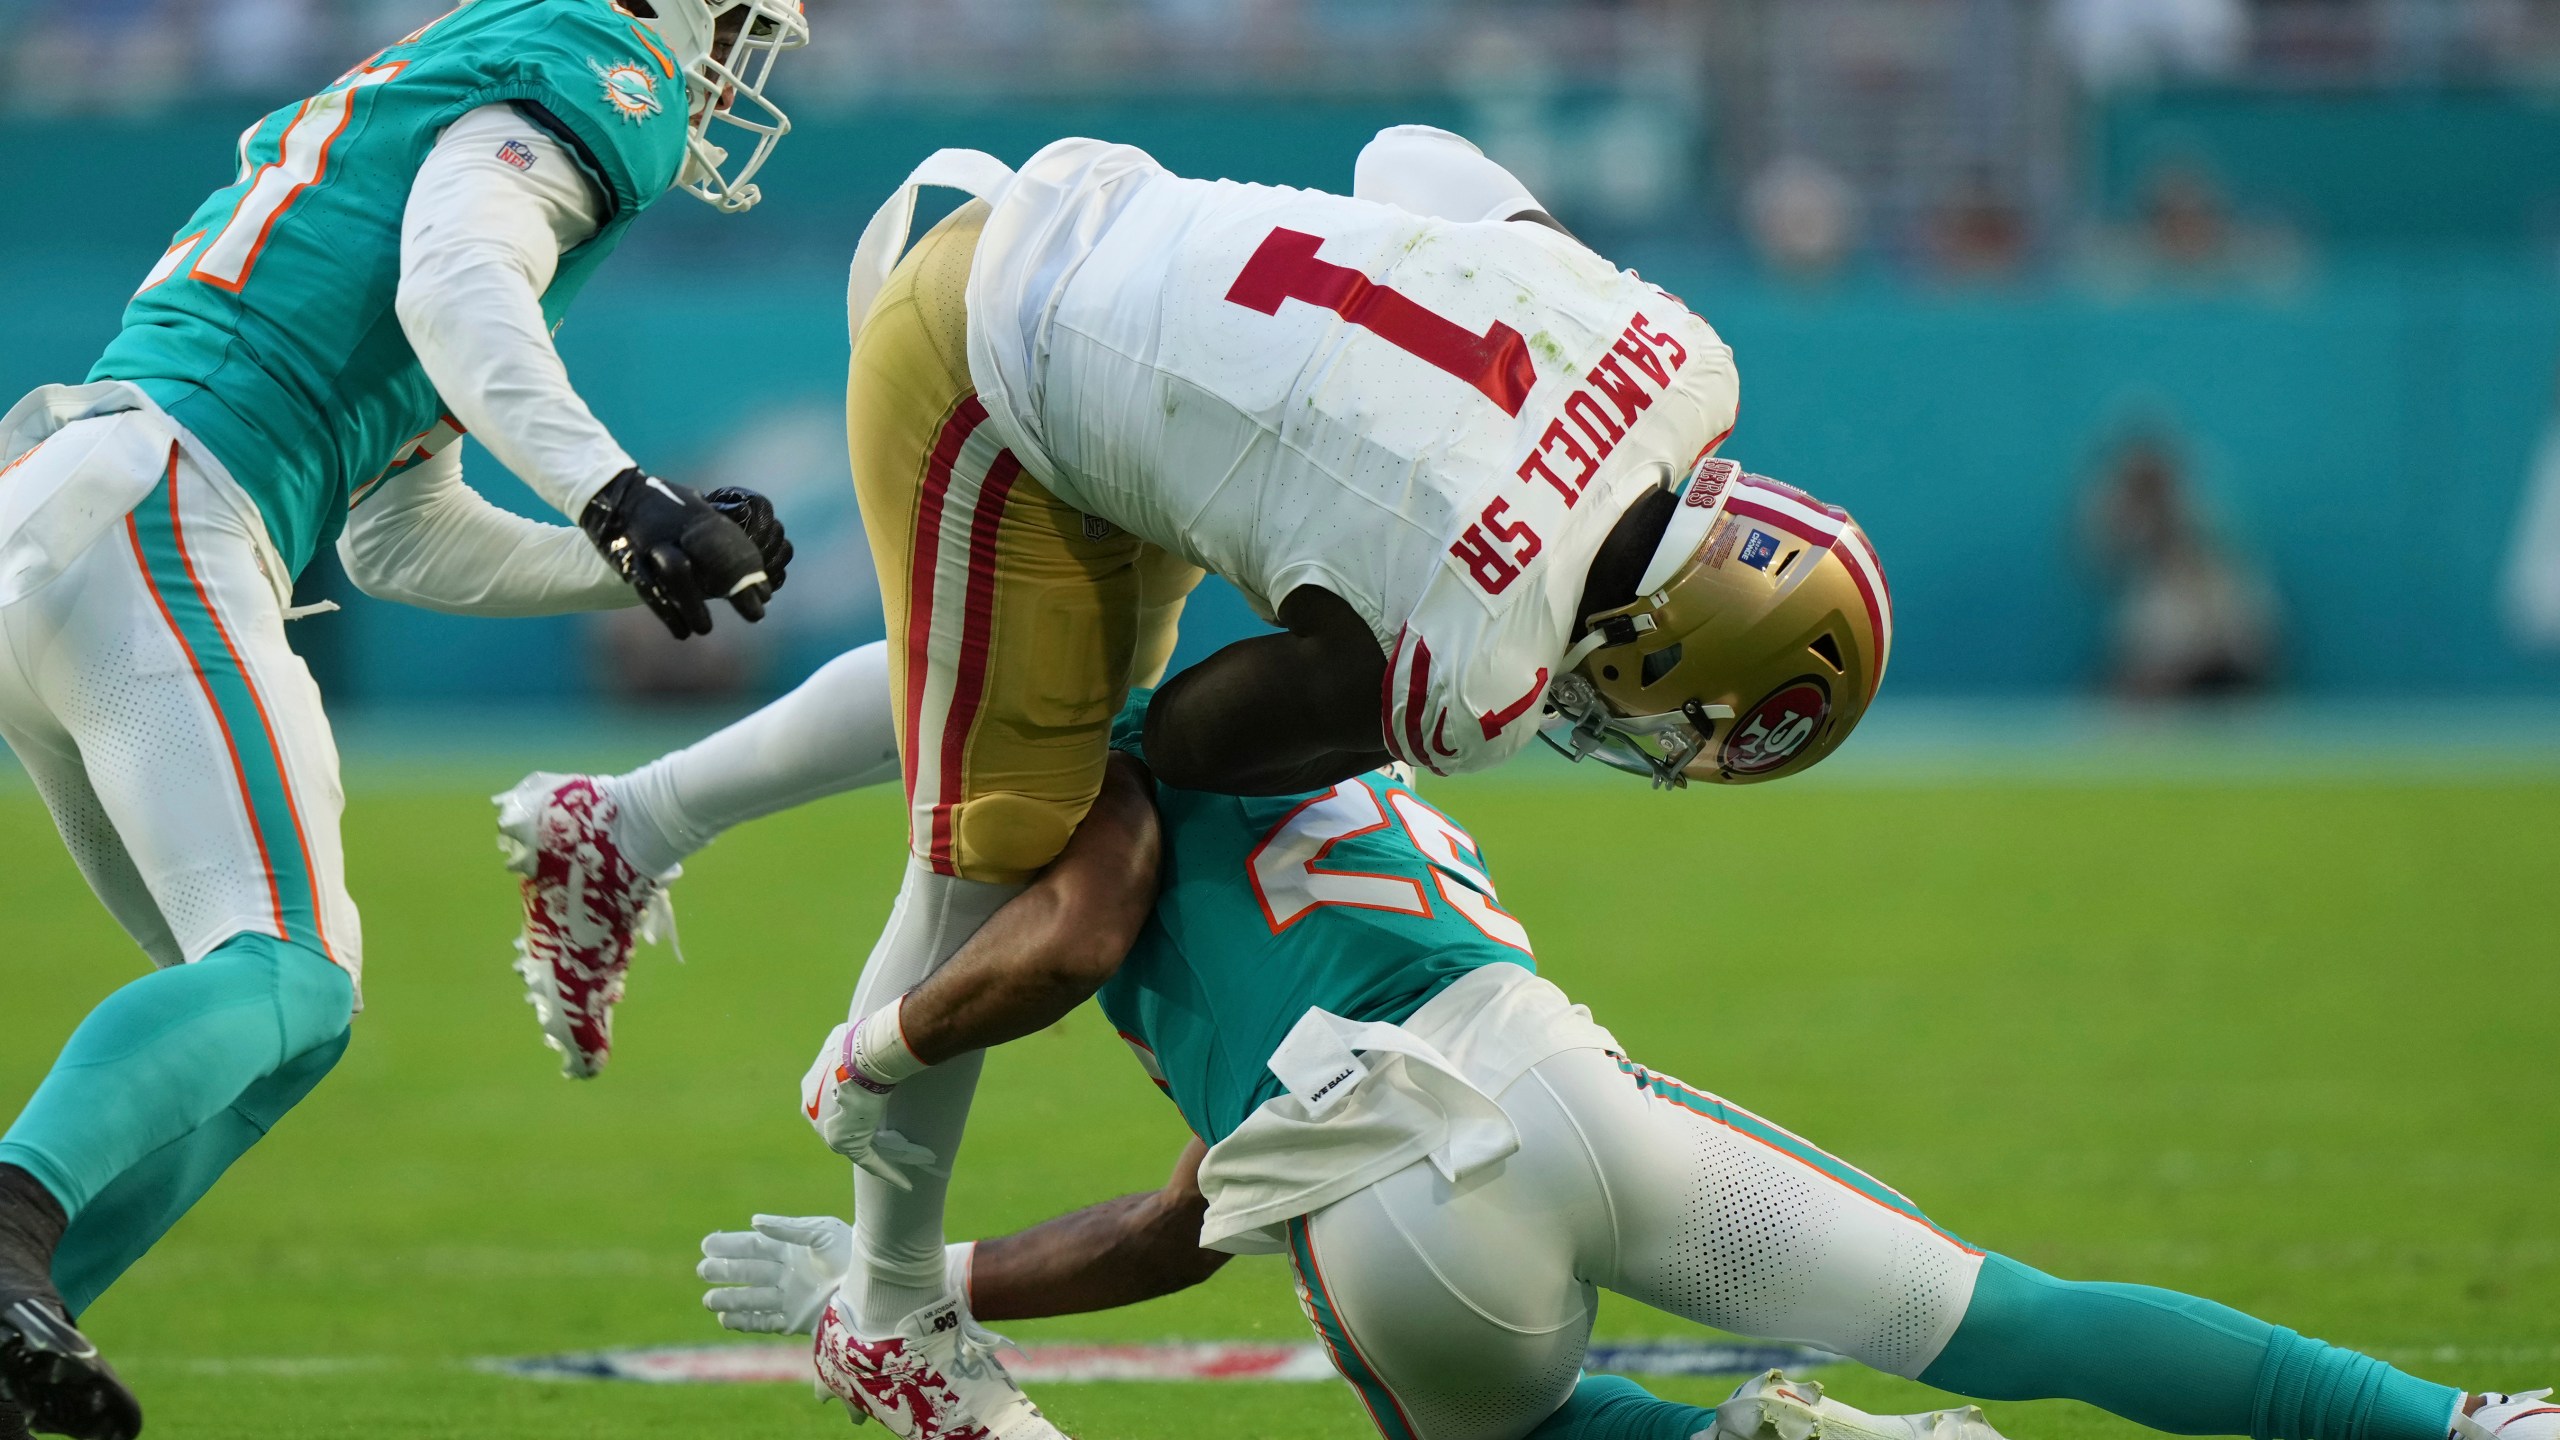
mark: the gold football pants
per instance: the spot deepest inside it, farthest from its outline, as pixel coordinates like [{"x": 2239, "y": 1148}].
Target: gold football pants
[{"x": 1016, "y": 624}]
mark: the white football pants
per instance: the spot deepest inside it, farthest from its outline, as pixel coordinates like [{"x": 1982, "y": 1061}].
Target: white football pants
[
  {"x": 1461, "y": 1312},
  {"x": 177, "y": 739}
]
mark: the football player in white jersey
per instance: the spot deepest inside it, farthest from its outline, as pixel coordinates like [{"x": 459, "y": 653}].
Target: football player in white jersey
[
  {"x": 1465, "y": 463},
  {"x": 1456, "y": 1159}
]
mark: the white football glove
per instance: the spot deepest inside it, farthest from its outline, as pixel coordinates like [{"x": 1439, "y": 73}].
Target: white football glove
[
  {"x": 845, "y": 1106},
  {"x": 775, "y": 1279}
]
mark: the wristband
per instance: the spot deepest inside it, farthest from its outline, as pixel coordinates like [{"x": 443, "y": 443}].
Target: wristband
[
  {"x": 958, "y": 1261},
  {"x": 877, "y": 1049}
]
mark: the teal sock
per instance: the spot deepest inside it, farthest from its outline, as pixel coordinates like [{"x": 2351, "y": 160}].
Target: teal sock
[
  {"x": 129, "y": 1216},
  {"x": 1612, "y": 1407},
  {"x": 162, "y": 1056},
  {"x": 2175, "y": 1363}
]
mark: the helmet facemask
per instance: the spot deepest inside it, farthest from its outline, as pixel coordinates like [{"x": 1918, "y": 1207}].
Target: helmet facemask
[
  {"x": 1580, "y": 725},
  {"x": 726, "y": 86}
]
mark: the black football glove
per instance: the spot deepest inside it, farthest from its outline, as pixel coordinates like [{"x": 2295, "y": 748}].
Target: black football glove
[
  {"x": 754, "y": 514},
  {"x": 677, "y": 550}
]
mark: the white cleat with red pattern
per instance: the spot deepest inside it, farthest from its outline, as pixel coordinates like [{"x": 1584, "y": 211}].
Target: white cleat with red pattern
[
  {"x": 936, "y": 1379},
  {"x": 2529, "y": 1416},
  {"x": 584, "y": 907}
]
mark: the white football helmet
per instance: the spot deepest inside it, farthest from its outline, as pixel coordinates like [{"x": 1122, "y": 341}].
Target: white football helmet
[{"x": 727, "y": 50}]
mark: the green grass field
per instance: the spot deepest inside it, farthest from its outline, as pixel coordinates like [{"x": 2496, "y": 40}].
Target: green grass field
[{"x": 2285, "y": 1045}]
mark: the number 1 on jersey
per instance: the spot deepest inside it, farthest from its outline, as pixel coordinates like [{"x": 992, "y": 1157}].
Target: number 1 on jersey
[
  {"x": 1285, "y": 268},
  {"x": 302, "y": 157}
]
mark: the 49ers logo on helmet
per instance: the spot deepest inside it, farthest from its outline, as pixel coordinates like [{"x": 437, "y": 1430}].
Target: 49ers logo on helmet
[{"x": 1773, "y": 731}]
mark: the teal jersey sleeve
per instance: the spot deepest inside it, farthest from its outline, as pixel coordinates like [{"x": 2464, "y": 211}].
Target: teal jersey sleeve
[
  {"x": 604, "y": 84},
  {"x": 1361, "y": 899},
  {"x": 269, "y": 328}
]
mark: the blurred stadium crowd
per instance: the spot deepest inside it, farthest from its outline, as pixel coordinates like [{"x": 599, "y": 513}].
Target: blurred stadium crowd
[
  {"x": 1939, "y": 132},
  {"x": 2223, "y": 329}
]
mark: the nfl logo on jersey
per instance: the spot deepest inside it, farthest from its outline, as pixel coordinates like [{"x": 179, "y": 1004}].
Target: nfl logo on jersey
[{"x": 517, "y": 153}]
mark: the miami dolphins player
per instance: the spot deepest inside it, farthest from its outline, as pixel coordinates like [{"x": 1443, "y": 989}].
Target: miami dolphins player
[
  {"x": 382, "y": 274},
  {"x": 1456, "y": 1158}
]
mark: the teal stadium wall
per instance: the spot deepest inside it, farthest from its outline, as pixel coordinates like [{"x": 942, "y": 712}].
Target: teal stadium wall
[{"x": 2363, "y": 429}]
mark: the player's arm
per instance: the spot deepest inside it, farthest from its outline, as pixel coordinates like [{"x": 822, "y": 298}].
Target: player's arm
[
  {"x": 1276, "y": 714},
  {"x": 778, "y": 1277},
  {"x": 492, "y": 209},
  {"x": 424, "y": 538},
  {"x": 1043, "y": 954},
  {"x": 1103, "y": 1256},
  {"x": 1055, "y": 944}
]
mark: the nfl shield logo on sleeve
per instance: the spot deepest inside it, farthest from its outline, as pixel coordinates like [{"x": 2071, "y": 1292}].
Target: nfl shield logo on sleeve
[{"x": 517, "y": 153}]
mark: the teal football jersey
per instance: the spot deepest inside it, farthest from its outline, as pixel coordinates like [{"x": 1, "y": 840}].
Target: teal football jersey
[
  {"x": 1361, "y": 900},
  {"x": 268, "y": 329}
]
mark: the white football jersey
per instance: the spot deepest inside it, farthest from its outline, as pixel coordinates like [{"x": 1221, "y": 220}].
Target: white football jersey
[{"x": 1438, "y": 422}]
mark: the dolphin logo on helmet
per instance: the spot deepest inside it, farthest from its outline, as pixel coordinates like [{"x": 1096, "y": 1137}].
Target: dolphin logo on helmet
[
  {"x": 725, "y": 50},
  {"x": 1757, "y": 639}
]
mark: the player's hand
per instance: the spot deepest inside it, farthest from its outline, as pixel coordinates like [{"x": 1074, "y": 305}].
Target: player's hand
[
  {"x": 677, "y": 550},
  {"x": 845, "y": 1106},
  {"x": 775, "y": 1279},
  {"x": 754, "y": 514}
]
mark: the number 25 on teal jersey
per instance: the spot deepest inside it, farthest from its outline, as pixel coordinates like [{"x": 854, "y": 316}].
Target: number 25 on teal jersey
[{"x": 1291, "y": 881}]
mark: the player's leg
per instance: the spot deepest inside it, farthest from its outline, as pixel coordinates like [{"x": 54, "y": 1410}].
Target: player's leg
[
  {"x": 1460, "y": 1312},
  {"x": 2175, "y": 1362},
  {"x": 1014, "y": 626},
  {"x": 130, "y": 1215},
  {"x": 52, "y": 761},
  {"x": 597, "y": 852},
  {"x": 829, "y": 735},
  {"x": 160, "y": 655},
  {"x": 1736, "y": 1222},
  {"x": 1165, "y": 583},
  {"x": 1455, "y": 1313}
]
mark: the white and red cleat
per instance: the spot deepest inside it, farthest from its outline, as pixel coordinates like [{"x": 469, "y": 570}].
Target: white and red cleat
[
  {"x": 2530, "y": 1416},
  {"x": 936, "y": 1379},
  {"x": 584, "y": 907}
]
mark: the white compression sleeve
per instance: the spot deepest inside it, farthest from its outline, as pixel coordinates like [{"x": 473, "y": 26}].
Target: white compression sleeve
[
  {"x": 899, "y": 1263},
  {"x": 834, "y": 733},
  {"x": 425, "y": 538},
  {"x": 494, "y": 206},
  {"x": 1429, "y": 171}
]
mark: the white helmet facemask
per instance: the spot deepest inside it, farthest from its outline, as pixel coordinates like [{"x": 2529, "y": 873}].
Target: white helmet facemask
[{"x": 727, "y": 49}]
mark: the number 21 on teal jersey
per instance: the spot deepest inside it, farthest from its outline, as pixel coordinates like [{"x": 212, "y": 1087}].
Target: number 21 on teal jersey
[{"x": 302, "y": 161}]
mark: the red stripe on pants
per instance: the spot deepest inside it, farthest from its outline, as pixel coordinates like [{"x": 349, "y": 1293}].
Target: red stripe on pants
[
  {"x": 978, "y": 615},
  {"x": 922, "y": 563}
]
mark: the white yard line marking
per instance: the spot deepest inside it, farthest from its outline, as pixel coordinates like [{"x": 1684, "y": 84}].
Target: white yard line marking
[{"x": 1055, "y": 1363}]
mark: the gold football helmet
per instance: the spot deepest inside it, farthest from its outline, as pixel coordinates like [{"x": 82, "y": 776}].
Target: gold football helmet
[{"x": 1757, "y": 640}]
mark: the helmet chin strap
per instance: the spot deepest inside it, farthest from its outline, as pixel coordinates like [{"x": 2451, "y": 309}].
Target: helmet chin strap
[{"x": 1609, "y": 630}]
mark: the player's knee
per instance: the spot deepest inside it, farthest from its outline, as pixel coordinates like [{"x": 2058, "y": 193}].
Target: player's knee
[
  {"x": 1007, "y": 838},
  {"x": 2014, "y": 1312},
  {"x": 314, "y": 997}
]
